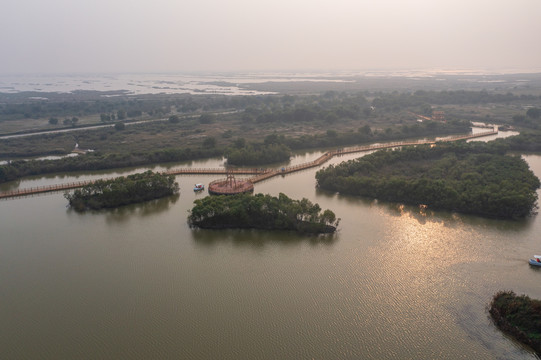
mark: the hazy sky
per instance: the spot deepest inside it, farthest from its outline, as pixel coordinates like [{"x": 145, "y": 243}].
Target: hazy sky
[{"x": 260, "y": 35}]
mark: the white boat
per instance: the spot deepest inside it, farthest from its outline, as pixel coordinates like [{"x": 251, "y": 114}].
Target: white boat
[
  {"x": 199, "y": 187},
  {"x": 536, "y": 261}
]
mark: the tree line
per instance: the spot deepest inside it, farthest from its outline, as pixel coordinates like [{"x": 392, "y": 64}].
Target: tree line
[
  {"x": 529, "y": 119},
  {"x": 475, "y": 178},
  {"x": 327, "y": 107},
  {"x": 366, "y": 134},
  {"x": 122, "y": 191},
  {"x": 396, "y": 100},
  {"x": 261, "y": 212},
  {"x": 117, "y": 106},
  {"x": 527, "y": 141}
]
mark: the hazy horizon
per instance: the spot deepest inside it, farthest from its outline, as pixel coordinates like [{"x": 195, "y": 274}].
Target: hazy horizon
[
  {"x": 292, "y": 73},
  {"x": 164, "y": 36}
]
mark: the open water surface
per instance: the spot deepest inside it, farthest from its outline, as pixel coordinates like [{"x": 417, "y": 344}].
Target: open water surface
[
  {"x": 157, "y": 83},
  {"x": 137, "y": 283}
]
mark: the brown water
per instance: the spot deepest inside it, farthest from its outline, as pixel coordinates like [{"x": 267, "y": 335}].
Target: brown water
[{"x": 138, "y": 283}]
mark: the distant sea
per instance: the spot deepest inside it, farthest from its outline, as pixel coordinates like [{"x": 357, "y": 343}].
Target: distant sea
[
  {"x": 227, "y": 84},
  {"x": 213, "y": 83}
]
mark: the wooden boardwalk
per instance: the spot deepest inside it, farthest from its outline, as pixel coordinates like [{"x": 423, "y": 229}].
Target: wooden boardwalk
[
  {"x": 348, "y": 150},
  {"x": 215, "y": 171},
  {"x": 44, "y": 189},
  {"x": 260, "y": 174}
]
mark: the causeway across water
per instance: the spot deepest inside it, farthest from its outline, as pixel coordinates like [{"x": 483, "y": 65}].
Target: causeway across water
[{"x": 259, "y": 174}]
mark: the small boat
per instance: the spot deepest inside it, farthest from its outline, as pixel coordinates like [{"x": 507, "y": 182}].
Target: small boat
[
  {"x": 536, "y": 261},
  {"x": 199, "y": 187}
]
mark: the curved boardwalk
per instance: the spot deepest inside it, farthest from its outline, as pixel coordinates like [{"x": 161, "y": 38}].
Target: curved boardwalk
[{"x": 260, "y": 174}]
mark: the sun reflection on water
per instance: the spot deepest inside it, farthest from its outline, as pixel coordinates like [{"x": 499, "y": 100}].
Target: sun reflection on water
[
  {"x": 421, "y": 239},
  {"x": 426, "y": 255},
  {"x": 413, "y": 273}
]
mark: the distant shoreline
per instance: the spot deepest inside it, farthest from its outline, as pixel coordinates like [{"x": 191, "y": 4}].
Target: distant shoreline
[{"x": 258, "y": 83}]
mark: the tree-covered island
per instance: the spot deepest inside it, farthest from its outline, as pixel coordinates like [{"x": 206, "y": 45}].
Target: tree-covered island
[
  {"x": 122, "y": 191},
  {"x": 474, "y": 178},
  {"x": 518, "y": 316},
  {"x": 260, "y": 211}
]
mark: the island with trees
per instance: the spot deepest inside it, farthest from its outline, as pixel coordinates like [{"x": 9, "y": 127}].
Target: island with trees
[
  {"x": 475, "y": 178},
  {"x": 260, "y": 211},
  {"x": 122, "y": 191},
  {"x": 518, "y": 316}
]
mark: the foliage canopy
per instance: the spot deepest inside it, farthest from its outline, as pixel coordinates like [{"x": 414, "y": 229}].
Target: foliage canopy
[
  {"x": 261, "y": 212},
  {"x": 122, "y": 191},
  {"x": 475, "y": 178}
]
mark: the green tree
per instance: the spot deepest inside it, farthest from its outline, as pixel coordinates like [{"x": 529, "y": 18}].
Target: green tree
[
  {"x": 533, "y": 113},
  {"x": 272, "y": 139},
  {"x": 206, "y": 118},
  {"x": 122, "y": 191},
  {"x": 332, "y": 133},
  {"x": 331, "y": 118},
  {"x": 239, "y": 143},
  {"x": 53, "y": 121},
  {"x": 519, "y": 118},
  {"x": 261, "y": 212},
  {"x": 365, "y": 130},
  {"x": 121, "y": 114},
  {"x": 209, "y": 142},
  {"x": 227, "y": 134}
]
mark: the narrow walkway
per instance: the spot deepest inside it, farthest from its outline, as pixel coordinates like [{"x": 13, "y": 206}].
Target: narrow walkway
[
  {"x": 216, "y": 171},
  {"x": 330, "y": 154},
  {"x": 260, "y": 174}
]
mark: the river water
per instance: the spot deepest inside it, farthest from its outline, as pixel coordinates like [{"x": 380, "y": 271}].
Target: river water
[{"x": 137, "y": 283}]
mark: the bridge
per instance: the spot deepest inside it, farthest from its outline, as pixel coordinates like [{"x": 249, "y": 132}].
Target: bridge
[{"x": 259, "y": 174}]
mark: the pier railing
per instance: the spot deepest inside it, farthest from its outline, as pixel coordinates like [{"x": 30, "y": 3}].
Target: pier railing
[
  {"x": 44, "y": 189},
  {"x": 217, "y": 171}
]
